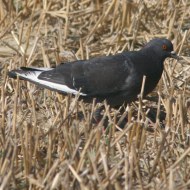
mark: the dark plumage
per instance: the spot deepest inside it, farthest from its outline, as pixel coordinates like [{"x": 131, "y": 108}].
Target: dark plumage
[{"x": 116, "y": 78}]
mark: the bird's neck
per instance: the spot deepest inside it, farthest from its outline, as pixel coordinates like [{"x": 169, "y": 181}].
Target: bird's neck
[{"x": 151, "y": 54}]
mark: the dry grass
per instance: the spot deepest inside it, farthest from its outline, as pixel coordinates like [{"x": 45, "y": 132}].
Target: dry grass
[{"x": 44, "y": 143}]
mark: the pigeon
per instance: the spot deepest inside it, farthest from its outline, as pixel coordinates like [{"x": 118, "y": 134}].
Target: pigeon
[{"x": 114, "y": 78}]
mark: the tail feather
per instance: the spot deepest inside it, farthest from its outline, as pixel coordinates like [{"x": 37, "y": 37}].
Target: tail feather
[
  {"x": 28, "y": 75},
  {"x": 24, "y": 71},
  {"x": 36, "y": 68},
  {"x": 13, "y": 74}
]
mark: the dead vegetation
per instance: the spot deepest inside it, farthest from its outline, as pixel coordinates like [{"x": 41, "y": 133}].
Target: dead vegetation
[{"x": 44, "y": 141}]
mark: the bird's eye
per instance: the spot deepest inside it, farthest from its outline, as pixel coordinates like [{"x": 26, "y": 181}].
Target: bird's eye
[{"x": 164, "y": 47}]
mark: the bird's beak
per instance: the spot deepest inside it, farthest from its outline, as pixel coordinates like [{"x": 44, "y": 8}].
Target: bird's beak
[{"x": 174, "y": 55}]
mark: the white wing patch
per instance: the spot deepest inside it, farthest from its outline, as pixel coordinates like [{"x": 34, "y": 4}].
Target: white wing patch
[{"x": 33, "y": 76}]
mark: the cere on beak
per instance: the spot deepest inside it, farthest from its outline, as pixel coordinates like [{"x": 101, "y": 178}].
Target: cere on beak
[{"x": 174, "y": 55}]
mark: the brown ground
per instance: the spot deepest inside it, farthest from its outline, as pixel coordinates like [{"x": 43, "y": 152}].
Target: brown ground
[{"x": 44, "y": 143}]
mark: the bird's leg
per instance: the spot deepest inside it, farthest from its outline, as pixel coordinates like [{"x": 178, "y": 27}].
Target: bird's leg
[{"x": 96, "y": 118}]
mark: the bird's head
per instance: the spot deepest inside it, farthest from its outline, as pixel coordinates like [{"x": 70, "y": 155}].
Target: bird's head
[{"x": 162, "y": 48}]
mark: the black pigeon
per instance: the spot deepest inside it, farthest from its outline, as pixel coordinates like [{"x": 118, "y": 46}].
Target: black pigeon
[{"x": 116, "y": 78}]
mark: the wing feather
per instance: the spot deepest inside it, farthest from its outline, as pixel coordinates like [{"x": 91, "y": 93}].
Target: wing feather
[{"x": 97, "y": 76}]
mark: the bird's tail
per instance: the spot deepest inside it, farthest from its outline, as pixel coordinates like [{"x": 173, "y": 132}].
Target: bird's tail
[{"x": 27, "y": 73}]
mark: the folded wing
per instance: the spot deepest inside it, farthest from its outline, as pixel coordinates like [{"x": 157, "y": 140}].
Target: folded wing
[{"x": 98, "y": 76}]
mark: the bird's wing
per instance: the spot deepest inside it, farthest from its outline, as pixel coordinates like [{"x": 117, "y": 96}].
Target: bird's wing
[{"x": 97, "y": 76}]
